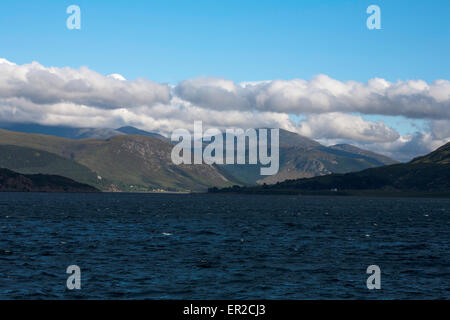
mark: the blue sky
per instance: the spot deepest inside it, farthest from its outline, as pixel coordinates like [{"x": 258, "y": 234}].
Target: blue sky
[{"x": 171, "y": 41}]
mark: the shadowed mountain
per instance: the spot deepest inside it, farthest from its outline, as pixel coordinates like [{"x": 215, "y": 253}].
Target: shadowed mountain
[
  {"x": 427, "y": 175},
  {"x": 11, "y": 181}
]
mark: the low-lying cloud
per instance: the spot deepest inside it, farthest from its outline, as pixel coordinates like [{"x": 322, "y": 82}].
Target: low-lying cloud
[
  {"x": 322, "y": 94},
  {"x": 346, "y": 126},
  {"x": 331, "y": 109},
  {"x": 43, "y": 86}
]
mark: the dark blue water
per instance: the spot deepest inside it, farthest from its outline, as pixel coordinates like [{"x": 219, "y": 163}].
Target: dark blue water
[{"x": 156, "y": 246}]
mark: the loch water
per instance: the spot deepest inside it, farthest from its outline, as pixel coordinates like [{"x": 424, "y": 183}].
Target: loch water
[{"x": 213, "y": 246}]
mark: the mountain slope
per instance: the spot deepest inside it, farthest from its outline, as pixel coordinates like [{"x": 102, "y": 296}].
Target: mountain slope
[
  {"x": 128, "y": 162},
  {"x": 144, "y": 162},
  {"x": 76, "y": 133},
  {"x": 425, "y": 175},
  {"x": 301, "y": 157},
  {"x": 32, "y": 161},
  {"x": 291, "y": 139},
  {"x": 61, "y": 131},
  {"x": 11, "y": 181},
  {"x": 352, "y": 151},
  {"x": 439, "y": 156},
  {"x": 135, "y": 131}
]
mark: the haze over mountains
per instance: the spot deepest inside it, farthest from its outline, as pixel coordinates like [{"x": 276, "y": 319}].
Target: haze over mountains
[{"x": 129, "y": 159}]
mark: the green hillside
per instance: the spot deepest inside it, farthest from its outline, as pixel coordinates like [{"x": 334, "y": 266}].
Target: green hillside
[
  {"x": 32, "y": 161},
  {"x": 126, "y": 162},
  {"x": 439, "y": 156},
  {"x": 141, "y": 162}
]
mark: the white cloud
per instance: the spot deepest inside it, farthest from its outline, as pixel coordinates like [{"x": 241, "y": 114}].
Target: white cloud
[
  {"x": 44, "y": 86},
  {"x": 4, "y": 61},
  {"x": 322, "y": 94},
  {"x": 117, "y": 76},
  {"x": 440, "y": 128},
  {"x": 214, "y": 93},
  {"x": 346, "y": 126},
  {"x": 84, "y": 98},
  {"x": 409, "y": 146}
]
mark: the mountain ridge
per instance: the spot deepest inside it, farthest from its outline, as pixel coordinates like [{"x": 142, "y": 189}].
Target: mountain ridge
[
  {"x": 76, "y": 132},
  {"x": 302, "y": 157},
  {"x": 427, "y": 175},
  {"x": 129, "y": 162},
  {"x": 110, "y": 158}
]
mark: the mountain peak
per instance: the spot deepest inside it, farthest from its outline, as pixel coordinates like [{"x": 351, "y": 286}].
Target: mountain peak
[
  {"x": 292, "y": 139},
  {"x": 136, "y": 131}
]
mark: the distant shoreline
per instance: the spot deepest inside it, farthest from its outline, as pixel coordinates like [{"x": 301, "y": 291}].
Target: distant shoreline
[
  {"x": 104, "y": 192},
  {"x": 343, "y": 193},
  {"x": 340, "y": 194}
]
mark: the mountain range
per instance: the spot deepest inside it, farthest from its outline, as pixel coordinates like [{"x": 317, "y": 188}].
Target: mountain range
[
  {"x": 77, "y": 133},
  {"x": 301, "y": 157},
  {"x": 423, "y": 176},
  {"x": 130, "y": 159},
  {"x": 119, "y": 163}
]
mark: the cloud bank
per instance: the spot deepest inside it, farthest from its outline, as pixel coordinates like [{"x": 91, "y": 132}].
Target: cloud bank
[
  {"x": 49, "y": 86},
  {"x": 331, "y": 109},
  {"x": 322, "y": 94}
]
